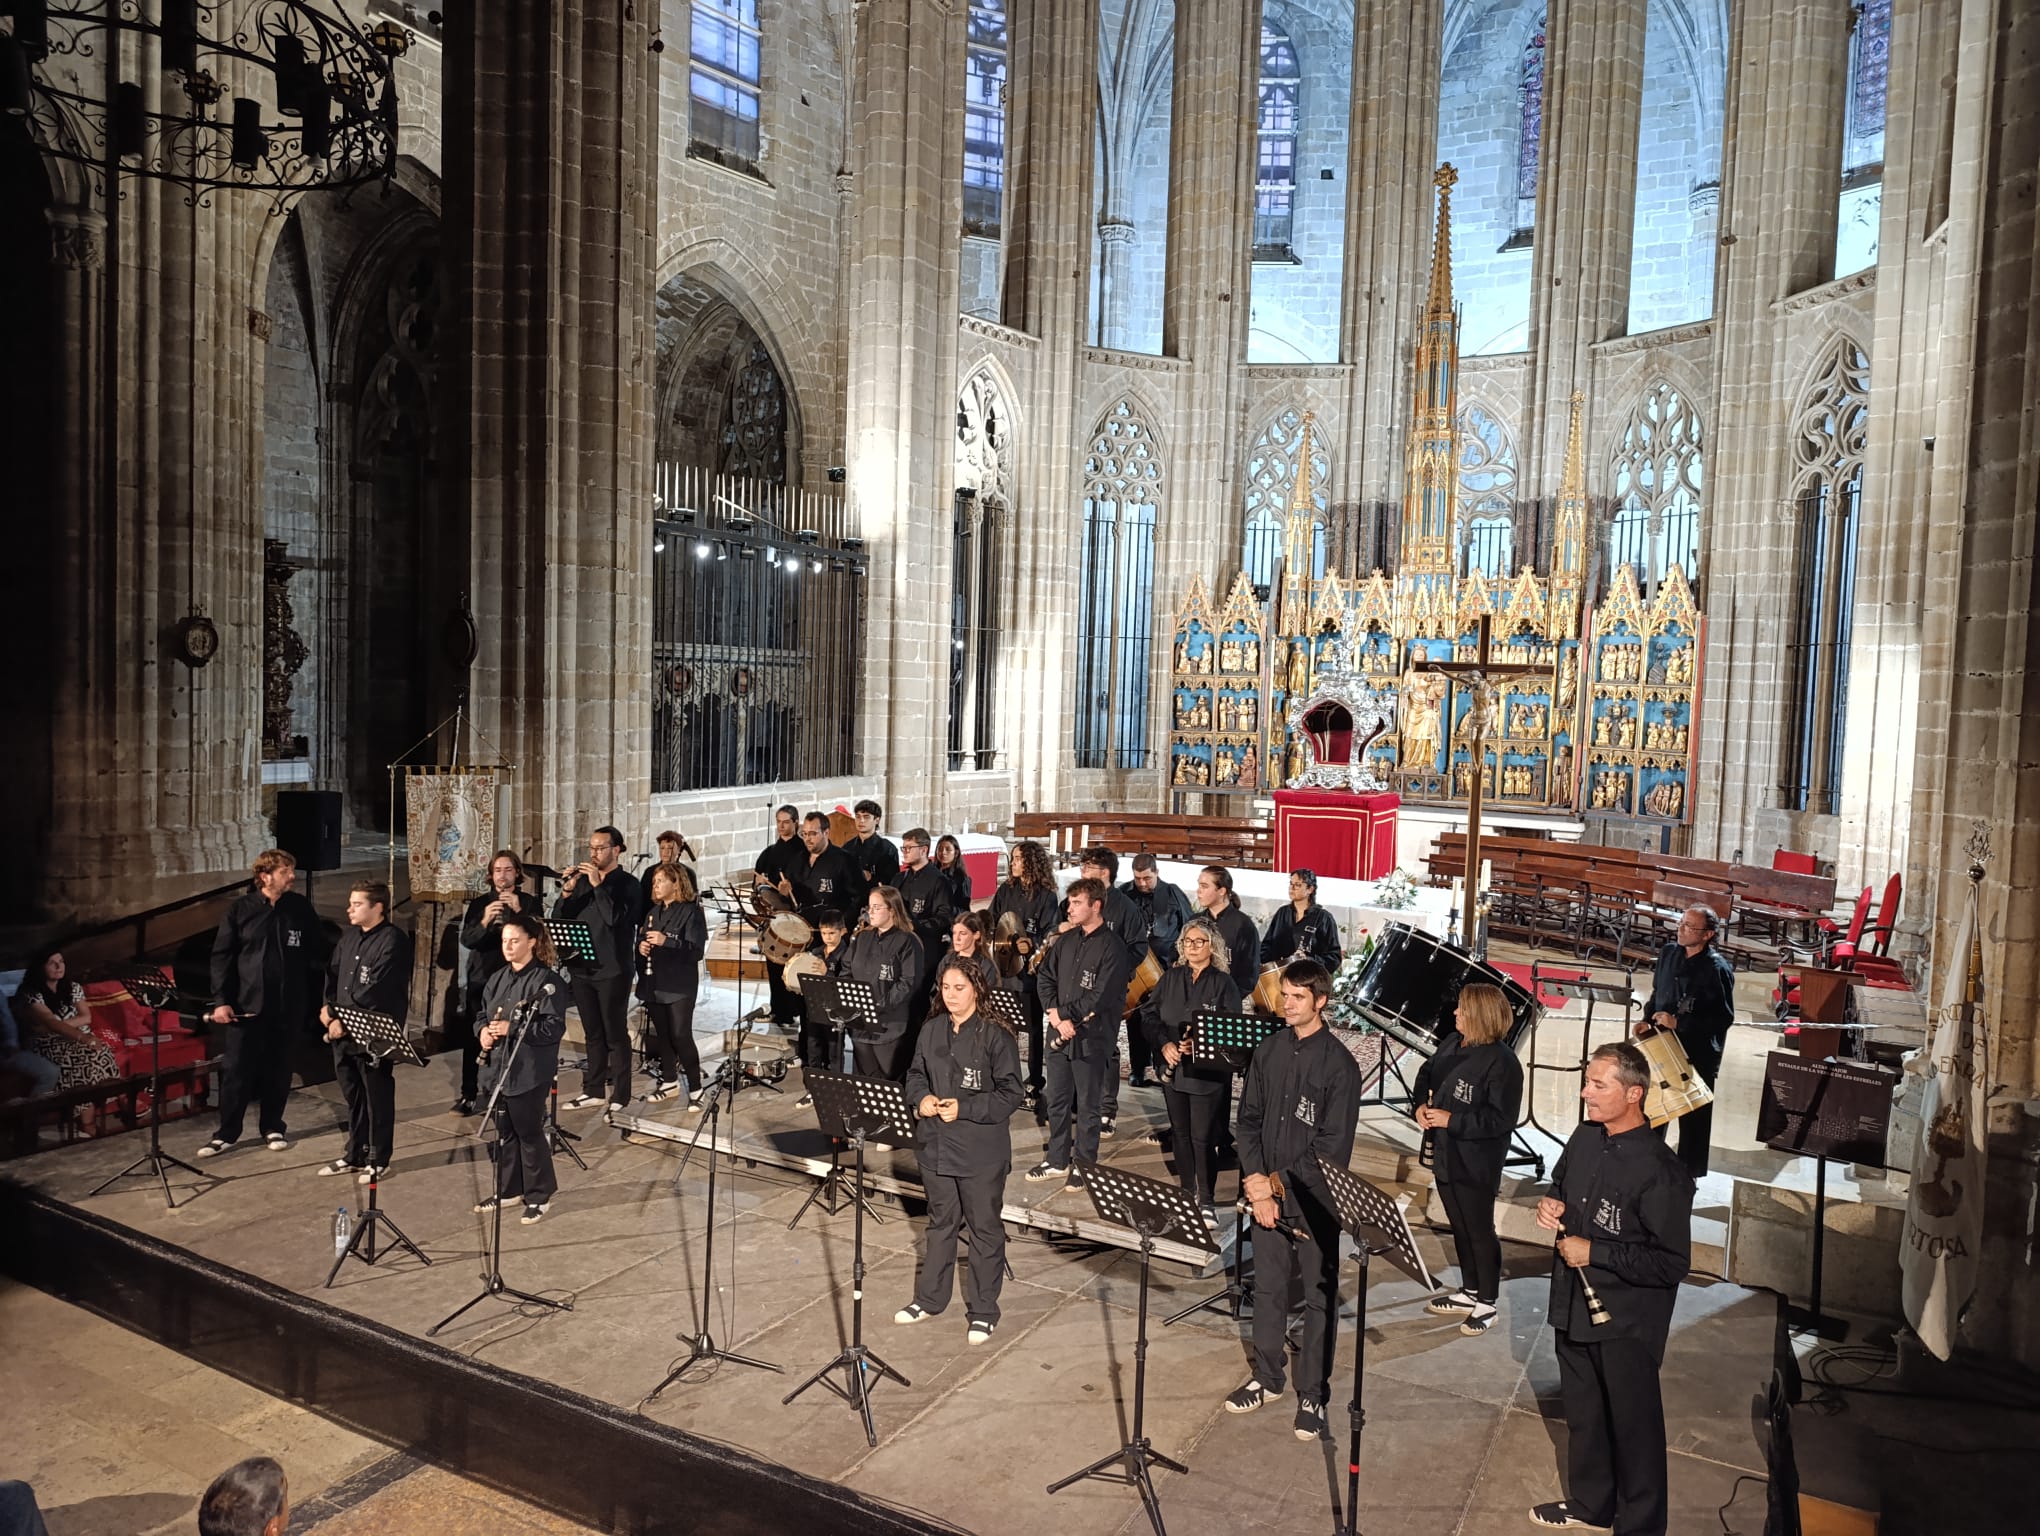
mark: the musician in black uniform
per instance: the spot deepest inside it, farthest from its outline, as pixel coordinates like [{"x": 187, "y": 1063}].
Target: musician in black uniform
[
  {"x": 823, "y": 878},
  {"x": 1027, "y": 897},
  {"x": 968, "y": 941},
  {"x": 1301, "y": 1096},
  {"x": 1166, "y": 909},
  {"x": 1623, "y": 1204},
  {"x": 601, "y": 894},
  {"x": 371, "y": 970},
  {"x": 831, "y": 944},
  {"x": 263, "y": 957},
  {"x": 949, "y": 859},
  {"x": 481, "y": 935},
  {"x": 870, "y": 851},
  {"x": 1083, "y": 992},
  {"x": 964, "y": 1086},
  {"x": 886, "y": 957},
  {"x": 1468, "y": 1096},
  {"x": 1217, "y": 901},
  {"x": 1303, "y": 925},
  {"x": 527, "y": 995},
  {"x": 925, "y": 890},
  {"x": 1693, "y": 994},
  {"x": 1128, "y": 920},
  {"x": 1199, "y": 1092},
  {"x": 675, "y": 939},
  {"x": 772, "y": 866}
]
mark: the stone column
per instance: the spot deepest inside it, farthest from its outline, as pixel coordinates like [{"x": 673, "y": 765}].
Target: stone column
[
  {"x": 1586, "y": 207},
  {"x": 551, "y": 164},
  {"x": 1779, "y": 188},
  {"x": 1389, "y": 210},
  {"x": 906, "y": 214},
  {"x": 1052, "y": 129},
  {"x": 1115, "y": 257}
]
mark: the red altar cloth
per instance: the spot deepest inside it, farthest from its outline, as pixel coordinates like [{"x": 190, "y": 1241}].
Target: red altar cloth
[{"x": 1335, "y": 832}]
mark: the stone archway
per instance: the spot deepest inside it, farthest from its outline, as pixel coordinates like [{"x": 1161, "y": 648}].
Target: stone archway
[{"x": 723, "y": 403}]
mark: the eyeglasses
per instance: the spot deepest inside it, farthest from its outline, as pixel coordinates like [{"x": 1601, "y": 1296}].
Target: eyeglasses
[{"x": 1195, "y": 938}]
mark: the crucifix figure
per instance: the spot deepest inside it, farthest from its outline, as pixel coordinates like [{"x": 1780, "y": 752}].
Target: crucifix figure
[{"x": 1479, "y": 678}]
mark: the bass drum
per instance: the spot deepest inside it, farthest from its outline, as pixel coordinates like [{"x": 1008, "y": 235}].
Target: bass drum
[
  {"x": 785, "y": 936},
  {"x": 1410, "y": 987}
]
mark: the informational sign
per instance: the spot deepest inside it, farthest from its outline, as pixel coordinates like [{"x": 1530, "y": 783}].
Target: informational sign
[{"x": 1835, "y": 1109}]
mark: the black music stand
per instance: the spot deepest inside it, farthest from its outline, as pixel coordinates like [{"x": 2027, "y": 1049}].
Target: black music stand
[
  {"x": 492, "y": 1257},
  {"x": 1152, "y": 1209},
  {"x": 1591, "y": 992},
  {"x": 838, "y": 1011},
  {"x": 155, "y": 991},
  {"x": 859, "y": 1109},
  {"x": 701, "y": 1345},
  {"x": 1226, "y": 1040},
  {"x": 573, "y": 941},
  {"x": 379, "y": 1037},
  {"x": 1377, "y": 1225}
]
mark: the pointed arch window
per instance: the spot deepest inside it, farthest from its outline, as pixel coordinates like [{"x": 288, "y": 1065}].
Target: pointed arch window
[
  {"x": 984, "y": 118},
  {"x": 722, "y": 83},
  {"x": 1829, "y": 433},
  {"x": 1863, "y": 110},
  {"x": 983, "y": 504},
  {"x": 1115, "y": 623},
  {"x": 1487, "y": 493},
  {"x": 1271, "y": 481},
  {"x": 1275, "y": 163},
  {"x": 1657, "y": 474},
  {"x": 1529, "y": 134}
]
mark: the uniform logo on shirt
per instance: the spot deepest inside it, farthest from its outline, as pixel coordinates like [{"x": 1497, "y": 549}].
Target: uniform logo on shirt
[
  {"x": 1608, "y": 1217},
  {"x": 1306, "y": 1112},
  {"x": 1086, "y": 980},
  {"x": 973, "y": 1080},
  {"x": 293, "y": 938},
  {"x": 1462, "y": 1093},
  {"x": 825, "y": 886},
  {"x": 885, "y": 972},
  {"x": 919, "y": 905},
  {"x": 361, "y": 976}
]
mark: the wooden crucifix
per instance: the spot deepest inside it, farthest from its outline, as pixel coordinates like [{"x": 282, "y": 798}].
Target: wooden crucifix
[{"x": 1479, "y": 676}]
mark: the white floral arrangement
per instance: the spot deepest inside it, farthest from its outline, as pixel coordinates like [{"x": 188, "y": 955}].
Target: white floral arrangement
[{"x": 1397, "y": 891}]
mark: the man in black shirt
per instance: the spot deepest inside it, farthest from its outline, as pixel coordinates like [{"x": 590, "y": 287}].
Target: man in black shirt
[
  {"x": 1083, "y": 990},
  {"x": 1124, "y": 918},
  {"x": 873, "y": 855},
  {"x": 1166, "y": 909},
  {"x": 481, "y": 935},
  {"x": 775, "y": 864},
  {"x": 600, "y": 894},
  {"x": 925, "y": 890},
  {"x": 262, "y": 963},
  {"x": 1693, "y": 994},
  {"x": 1623, "y": 1206},
  {"x": 823, "y": 878},
  {"x": 1300, "y": 1101},
  {"x": 371, "y": 970}
]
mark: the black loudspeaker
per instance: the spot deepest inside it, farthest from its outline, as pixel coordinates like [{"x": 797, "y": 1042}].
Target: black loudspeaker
[{"x": 308, "y": 826}]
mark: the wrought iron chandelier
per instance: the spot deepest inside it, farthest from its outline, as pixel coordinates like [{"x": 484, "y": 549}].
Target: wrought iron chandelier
[{"x": 277, "y": 96}]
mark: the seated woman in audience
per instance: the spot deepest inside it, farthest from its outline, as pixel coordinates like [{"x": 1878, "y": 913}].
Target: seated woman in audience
[{"x": 56, "y": 1024}]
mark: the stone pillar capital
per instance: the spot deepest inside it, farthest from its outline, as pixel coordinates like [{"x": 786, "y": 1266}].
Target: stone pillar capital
[{"x": 77, "y": 237}]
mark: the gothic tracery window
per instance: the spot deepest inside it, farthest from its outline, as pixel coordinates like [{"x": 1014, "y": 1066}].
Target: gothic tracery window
[
  {"x": 1487, "y": 493},
  {"x": 1123, "y": 486},
  {"x": 1657, "y": 476},
  {"x": 753, "y": 438},
  {"x": 983, "y": 500},
  {"x": 1829, "y": 434},
  {"x": 1271, "y": 482},
  {"x": 722, "y": 82},
  {"x": 1275, "y": 164},
  {"x": 984, "y": 117}
]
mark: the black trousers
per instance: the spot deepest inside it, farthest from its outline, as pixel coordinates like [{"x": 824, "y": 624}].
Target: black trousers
[
  {"x": 888, "y": 1056},
  {"x": 371, "y": 1089},
  {"x": 524, "y": 1160},
  {"x": 957, "y": 1203},
  {"x": 256, "y": 1070},
  {"x": 1615, "y": 1434},
  {"x": 815, "y": 1038},
  {"x": 1696, "y": 1126},
  {"x": 787, "y": 1004},
  {"x": 1470, "y": 1208},
  {"x": 1037, "y": 1066},
  {"x": 1281, "y": 1264},
  {"x": 1076, "y": 1094},
  {"x": 673, "y": 1039},
  {"x": 471, "y": 1056},
  {"x": 604, "y": 1007},
  {"x": 1194, "y": 1123}
]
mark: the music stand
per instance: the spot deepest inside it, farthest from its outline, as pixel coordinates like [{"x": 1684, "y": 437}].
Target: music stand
[
  {"x": 155, "y": 991},
  {"x": 859, "y": 1109},
  {"x": 1591, "y": 992},
  {"x": 1378, "y": 1225},
  {"x": 573, "y": 941},
  {"x": 379, "y": 1037},
  {"x": 1152, "y": 1209},
  {"x": 821, "y": 992},
  {"x": 1005, "y": 1007},
  {"x": 1226, "y": 1040},
  {"x": 492, "y": 1257}
]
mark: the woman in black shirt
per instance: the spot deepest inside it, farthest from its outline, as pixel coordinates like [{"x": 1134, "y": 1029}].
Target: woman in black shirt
[
  {"x": 1217, "y": 901},
  {"x": 887, "y": 958},
  {"x": 949, "y": 859},
  {"x": 964, "y": 1086},
  {"x": 967, "y": 941},
  {"x": 676, "y": 937},
  {"x": 1199, "y": 1092},
  {"x": 529, "y": 995},
  {"x": 1302, "y": 926},
  {"x": 1028, "y": 898}
]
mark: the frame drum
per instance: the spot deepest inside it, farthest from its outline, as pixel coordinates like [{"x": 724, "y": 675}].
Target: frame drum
[
  {"x": 1410, "y": 987},
  {"x": 784, "y": 936},
  {"x": 1675, "y": 1088},
  {"x": 803, "y": 964}
]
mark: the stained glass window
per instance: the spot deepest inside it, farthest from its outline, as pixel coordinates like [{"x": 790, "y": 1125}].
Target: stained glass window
[
  {"x": 1275, "y": 169},
  {"x": 722, "y": 82},
  {"x": 1115, "y": 619},
  {"x": 1532, "y": 109},
  {"x": 984, "y": 117}
]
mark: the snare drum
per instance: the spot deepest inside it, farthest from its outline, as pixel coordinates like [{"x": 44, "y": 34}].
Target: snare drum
[
  {"x": 785, "y": 935},
  {"x": 1675, "y": 1088},
  {"x": 1410, "y": 988},
  {"x": 806, "y": 963}
]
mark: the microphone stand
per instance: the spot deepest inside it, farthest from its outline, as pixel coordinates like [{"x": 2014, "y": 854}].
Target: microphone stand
[{"x": 492, "y": 1256}]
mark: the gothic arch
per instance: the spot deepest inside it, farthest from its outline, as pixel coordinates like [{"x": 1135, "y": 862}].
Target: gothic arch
[
  {"x": 789, "y": 330},
  {"x": 726, "y": 397}
]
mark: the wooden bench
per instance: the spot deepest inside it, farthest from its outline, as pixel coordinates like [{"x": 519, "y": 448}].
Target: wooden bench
[
  {"x": 19, "y": 1122},
  {"x": 1235, "y": 841}
]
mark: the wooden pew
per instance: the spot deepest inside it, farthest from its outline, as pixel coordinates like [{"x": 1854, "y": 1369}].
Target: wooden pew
[{"x": 1237, "y": 842}]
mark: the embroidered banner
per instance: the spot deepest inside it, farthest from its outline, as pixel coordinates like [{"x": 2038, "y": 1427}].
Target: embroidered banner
[{"x": 450, "y": 817}]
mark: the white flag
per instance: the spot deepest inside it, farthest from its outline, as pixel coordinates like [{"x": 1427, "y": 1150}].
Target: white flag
[{"x": 1939, "y": 1255}]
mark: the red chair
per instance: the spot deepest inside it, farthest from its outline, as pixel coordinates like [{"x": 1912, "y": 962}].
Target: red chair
[
  {"x": 1871, "y": 961},
  {"x": 1833, "y": 937},
  {"x": 1795, "y": 863},
  {"x": 1785, "y": 997}
]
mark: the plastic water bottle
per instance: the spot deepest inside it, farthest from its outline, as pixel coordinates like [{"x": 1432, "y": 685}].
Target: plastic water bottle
[{"x": 341, "y": 1227}]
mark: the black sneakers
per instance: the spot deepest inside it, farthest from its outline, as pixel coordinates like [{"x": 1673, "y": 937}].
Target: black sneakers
[
  {"x": 1561, "y": 1518},
  {"x": 1310, "y": 1419},
  {"x": 1250, "y": 1397},
  {"x": 1043, "y": 1171}
]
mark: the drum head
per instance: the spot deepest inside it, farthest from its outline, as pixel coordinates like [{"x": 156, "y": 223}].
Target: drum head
[
  {"x": 802, "y": 964},
  {"x": 785, "y": 935},
  {"x": 1410, "y": 987}
]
